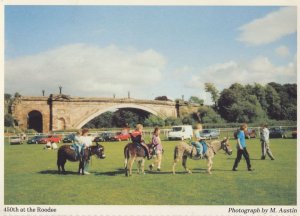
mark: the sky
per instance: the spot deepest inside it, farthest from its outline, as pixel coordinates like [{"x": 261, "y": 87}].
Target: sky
[{"x": 149, "y": 51}]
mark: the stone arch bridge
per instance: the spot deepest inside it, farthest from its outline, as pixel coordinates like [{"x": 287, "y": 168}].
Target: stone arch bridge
[{"x": 59, "y": 112}]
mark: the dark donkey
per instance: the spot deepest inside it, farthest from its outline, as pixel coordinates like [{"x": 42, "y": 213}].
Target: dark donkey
[{"x": 65, "y": 153}]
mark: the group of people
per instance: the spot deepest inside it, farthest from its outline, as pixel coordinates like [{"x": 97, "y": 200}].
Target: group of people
[
  {"x": 201, "y": 146},
  {"x": 83, "y": 140},
  {"x": 137, "y": 139},
  {"x": 242, "y": 148}
]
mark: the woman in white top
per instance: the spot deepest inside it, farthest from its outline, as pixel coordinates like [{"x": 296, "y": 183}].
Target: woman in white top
[{"x": 87, "y": 141}]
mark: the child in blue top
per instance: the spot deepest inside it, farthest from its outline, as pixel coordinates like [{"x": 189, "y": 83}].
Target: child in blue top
[
  {"x": 199, "y": 142},
  {"x": 242, "y": 148}
]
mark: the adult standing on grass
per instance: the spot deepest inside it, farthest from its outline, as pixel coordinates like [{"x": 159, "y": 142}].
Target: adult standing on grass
[
  {"x": 241, "y": 148},
  {"x": 87, "y": 141},
  {"x": 158, "y": 149},
  {"x": 264, "y": 139}
]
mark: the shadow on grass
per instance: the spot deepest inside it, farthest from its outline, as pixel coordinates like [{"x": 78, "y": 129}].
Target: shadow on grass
[
  {"x": 52, "y": 172},
  {"x": 244, "y": 159},
  {"x": 134, "y": 172},
  {"x": 111, "y": 173},
  {"x": 213, "y": 170}
]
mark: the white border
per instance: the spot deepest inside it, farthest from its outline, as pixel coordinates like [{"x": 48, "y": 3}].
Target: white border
[{"x": 92, "y": 210}]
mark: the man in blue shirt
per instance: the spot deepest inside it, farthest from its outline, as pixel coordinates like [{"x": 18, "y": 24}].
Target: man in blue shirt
[{"x": 241, "y": 148}]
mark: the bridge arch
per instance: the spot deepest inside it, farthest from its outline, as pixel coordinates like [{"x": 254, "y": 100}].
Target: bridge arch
[
  {"x": 35, "y": 120},
  {"x": 119, "y": 106}
]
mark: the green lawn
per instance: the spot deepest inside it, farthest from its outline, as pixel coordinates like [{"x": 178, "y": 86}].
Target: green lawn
[{"x": 31, "y": 178}]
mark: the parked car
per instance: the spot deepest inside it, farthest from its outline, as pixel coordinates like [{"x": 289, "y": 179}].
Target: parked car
[
  {"x": 16, "y": 140},
  {"x": 277, "y": 133},
  {"x": 35, "y": 139},
  {"x": 181, "y": 132},
  {"x": 210, "y": 134},
  {"x": 107, "y": 136},
  {"x": 250, "y": 133},
  {"x": 69, "y": 138},
  {"x": 50, "y": 138},
  {"x": 121, "y": 137},
  {"x": 98, "y": 139},
  {"x": 101, "y": 137}
]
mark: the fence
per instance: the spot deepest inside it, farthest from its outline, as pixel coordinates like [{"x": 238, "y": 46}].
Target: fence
[{"x": 228, "y": 132}]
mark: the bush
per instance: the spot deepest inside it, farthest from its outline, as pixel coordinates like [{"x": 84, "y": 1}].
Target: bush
[
  {"x": 170, "y": 121},
  {"x": 153, "y": 121},
  {"x": 8, "y": 120}
]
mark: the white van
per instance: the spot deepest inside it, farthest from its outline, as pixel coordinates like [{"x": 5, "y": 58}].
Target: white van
[{"x": 181, "y": 132}]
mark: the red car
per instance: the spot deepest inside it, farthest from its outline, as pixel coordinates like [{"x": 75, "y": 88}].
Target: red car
[
  {"x": 51, "y": 138},
  {"x": 121, "y": 136}
]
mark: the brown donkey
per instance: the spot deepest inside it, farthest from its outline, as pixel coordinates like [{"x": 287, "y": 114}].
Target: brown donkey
[{"x": 134, "y": 153}]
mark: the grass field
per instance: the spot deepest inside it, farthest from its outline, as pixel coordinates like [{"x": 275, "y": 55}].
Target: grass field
[{"x": 31, "y": 178}]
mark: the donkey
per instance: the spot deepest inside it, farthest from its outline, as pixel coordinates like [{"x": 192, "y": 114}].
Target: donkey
[
  {"x": 183, "y": 151},
  {"x": 65, "y": 152},
  {"x": 134, "y": 153}
]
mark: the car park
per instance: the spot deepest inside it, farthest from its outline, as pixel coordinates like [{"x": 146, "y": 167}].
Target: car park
[
  {"x": 101, "y": 137},
  {"x": 50, "y": 138},
  {"x": 106, "y": 136},
  {"x": 121, "y": 136},
  {"x": 277, "y": 132},
  {"x": 210, "y": 133},
  {"x": 69, "y": 138},
  {"x": 15, "y": 140},
  {"x": 35, "y": 139}
]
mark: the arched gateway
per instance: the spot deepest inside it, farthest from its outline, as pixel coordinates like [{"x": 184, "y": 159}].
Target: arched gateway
[{"x": 64, "y": 112}]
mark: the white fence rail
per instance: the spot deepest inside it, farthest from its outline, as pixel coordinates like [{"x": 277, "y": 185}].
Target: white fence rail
[{"x": 164, "y": 132}]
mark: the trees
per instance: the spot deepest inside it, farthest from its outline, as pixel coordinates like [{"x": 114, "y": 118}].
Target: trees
[
  {"x": 170, "y": 121},
  {"x": 196, "y": 100},
  {"x": 237, "y": 104},
  {"x": 250, "y": 103},
  {"x": 162, "y": 98},
  {"x": 153, "y": 121},
  {"x": 210, "y": 87},
  {"x": 8, "y": 120},
  {"x": 209, "y": 115}
]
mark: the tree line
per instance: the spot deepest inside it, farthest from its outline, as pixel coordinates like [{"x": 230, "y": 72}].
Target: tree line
[{"x": 239, "y": 103}]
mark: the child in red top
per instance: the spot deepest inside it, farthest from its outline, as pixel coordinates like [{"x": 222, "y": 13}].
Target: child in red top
[{"x": 136, "y": 137}]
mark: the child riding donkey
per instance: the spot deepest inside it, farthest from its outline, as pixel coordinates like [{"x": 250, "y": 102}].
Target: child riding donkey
[
  {"x": 199, "y": 142},
  {"x": 77, "y": 145},
  {"x": 136, "y": 138}
]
